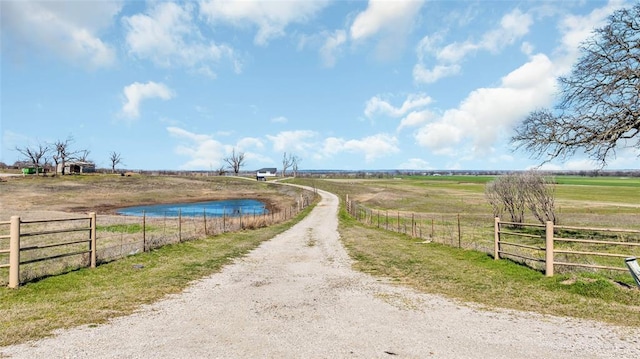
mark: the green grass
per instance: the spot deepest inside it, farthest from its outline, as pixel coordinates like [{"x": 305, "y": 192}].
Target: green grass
[
  {"x": 118, "y": 288},
  {"x": 599, "y": 181},
  {"x": 92, "y": 296},
  {"x": 122, "y": 228},
  {"x": 472, "y": 276}
]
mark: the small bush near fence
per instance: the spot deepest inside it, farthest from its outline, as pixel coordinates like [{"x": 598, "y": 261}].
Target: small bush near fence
[{"x": 118, "y": 237}]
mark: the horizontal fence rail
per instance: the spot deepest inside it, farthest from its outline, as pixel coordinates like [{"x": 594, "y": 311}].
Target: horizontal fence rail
[
  {"x": 556, "y": 245},
  {"x": 547, "y": 247},
  {"x": 31, "y": 242}
]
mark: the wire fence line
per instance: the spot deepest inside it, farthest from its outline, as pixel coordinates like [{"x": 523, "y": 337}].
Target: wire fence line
[
  {"x": 49, "y": 247},
  {"x": 120, "y": 236},
  {"x": 469, "y": 231},
  {"x": 576, "y": 248}
]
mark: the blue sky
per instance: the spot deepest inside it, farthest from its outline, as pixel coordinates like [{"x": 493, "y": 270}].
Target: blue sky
[{"x": 342, "y": 85}]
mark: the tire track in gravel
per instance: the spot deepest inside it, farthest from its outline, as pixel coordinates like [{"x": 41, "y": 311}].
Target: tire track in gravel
[{"x": 296, "y": 296}]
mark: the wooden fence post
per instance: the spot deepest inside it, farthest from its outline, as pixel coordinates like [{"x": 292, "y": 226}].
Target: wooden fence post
[
  {"x": 14, "y": 252},
  {"x": 496, "y": 238},
  {"x": 548, "y": 254},
  {"x": 94, "y": 242}
]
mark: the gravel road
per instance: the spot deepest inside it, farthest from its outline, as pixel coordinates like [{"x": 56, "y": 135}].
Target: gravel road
[{"x": 296, "y": 296}]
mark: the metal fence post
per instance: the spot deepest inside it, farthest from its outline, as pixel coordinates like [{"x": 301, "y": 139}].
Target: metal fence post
[
  {"x": 94, "y": 247},
  {"x": 144, "y": 231},
  {"x": 548, "y": 255},
  {"x": 496, "y": 238},
  {"x": 179, "y": 225},
  {"x": 14, "y": 252}
]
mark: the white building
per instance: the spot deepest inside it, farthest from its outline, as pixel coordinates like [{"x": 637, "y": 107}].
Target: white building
[{"x": 263, "y": 173}]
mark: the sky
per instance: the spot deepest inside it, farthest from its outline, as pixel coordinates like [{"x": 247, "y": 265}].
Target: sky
[{"x": 342, "y": 85}]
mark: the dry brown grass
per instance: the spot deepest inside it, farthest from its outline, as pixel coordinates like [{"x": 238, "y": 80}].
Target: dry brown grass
[{"x": 34, "y": 197}]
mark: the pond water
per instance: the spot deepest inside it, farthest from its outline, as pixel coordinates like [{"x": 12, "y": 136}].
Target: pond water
[{"x": 229, "y": 208}]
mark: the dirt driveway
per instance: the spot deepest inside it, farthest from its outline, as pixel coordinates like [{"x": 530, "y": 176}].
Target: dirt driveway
[{"x": 296, "y": 296}]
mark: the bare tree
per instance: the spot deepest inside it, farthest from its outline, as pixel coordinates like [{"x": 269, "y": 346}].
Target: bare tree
[
  {"x": 235, "y": 161},
  {"x": 34, "y": 154},
  {"x": 115, "y": 158},
  {"x": 287, "y": 161},
  {"x": 505, "y": 194},
  {"x": 599, "y": 107},
  {"x": 539, "y": 195},
  {"x": 516, "y": 192},
  {"x": 62, "y": 153},
  {"x": 295, "y": 162},
  {"x": 83, "y": 155},
  {"x": 221, "y": 170}
]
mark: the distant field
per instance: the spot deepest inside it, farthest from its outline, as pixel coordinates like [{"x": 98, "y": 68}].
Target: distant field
[
  {"x": 439, "y": 203},
  {"x": 575, "y": 195}
]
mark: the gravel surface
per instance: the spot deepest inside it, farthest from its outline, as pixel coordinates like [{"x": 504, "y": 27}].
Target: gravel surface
[{"x": 296, "y": 296}]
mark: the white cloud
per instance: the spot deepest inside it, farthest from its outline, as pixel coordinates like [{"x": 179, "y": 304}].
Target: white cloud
[
  {"x": 383, "y": 15},
  {"x": 203, "y": 151},
  {"x": 68, "y": 31},
  {"x": 371, "y": 147},
  {"x": 297, "y": 142},
  {"x": 416, "y": 118},
  {"x": 389, "y": 22},
  {"x": 576, "y": 29},
  {"x": 512, "y": 27},
  {"x": 441, "y": 137},
  {"x": 250, "y": 142},
  {"x": 137, "y": 92},
  {"x": 271, "y": 17},
  {"x": 423, "y": 75},
  {"x": 167, "y": 35},
  {"x": 331, "y": 48},
  {"x": 487, "y": 113},
  {"x": 377, "y": 105}
]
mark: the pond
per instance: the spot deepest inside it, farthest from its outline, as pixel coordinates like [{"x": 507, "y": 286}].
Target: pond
[{"x": 229, "y": 208}]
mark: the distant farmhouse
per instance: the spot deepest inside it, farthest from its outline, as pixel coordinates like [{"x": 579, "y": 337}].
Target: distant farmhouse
[
  {"x": 76, "y": 167},
  {"x": 263, "y": 173}
]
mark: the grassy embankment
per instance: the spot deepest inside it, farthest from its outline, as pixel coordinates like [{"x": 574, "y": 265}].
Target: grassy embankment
[{"x": 473, "y": 276}]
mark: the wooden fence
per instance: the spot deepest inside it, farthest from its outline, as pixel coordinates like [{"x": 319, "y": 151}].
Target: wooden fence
[{"x": 554, "y": 245}]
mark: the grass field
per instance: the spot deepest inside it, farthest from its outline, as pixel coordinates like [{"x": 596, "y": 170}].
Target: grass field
[
  {"x": 472, "y": 275},
  {"x": 594, "y": 201},
  {"x": 120, "y": 287}
]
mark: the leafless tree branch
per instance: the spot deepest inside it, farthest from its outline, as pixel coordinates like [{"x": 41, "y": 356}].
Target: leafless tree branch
[{"x": 599, "y": 107}]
